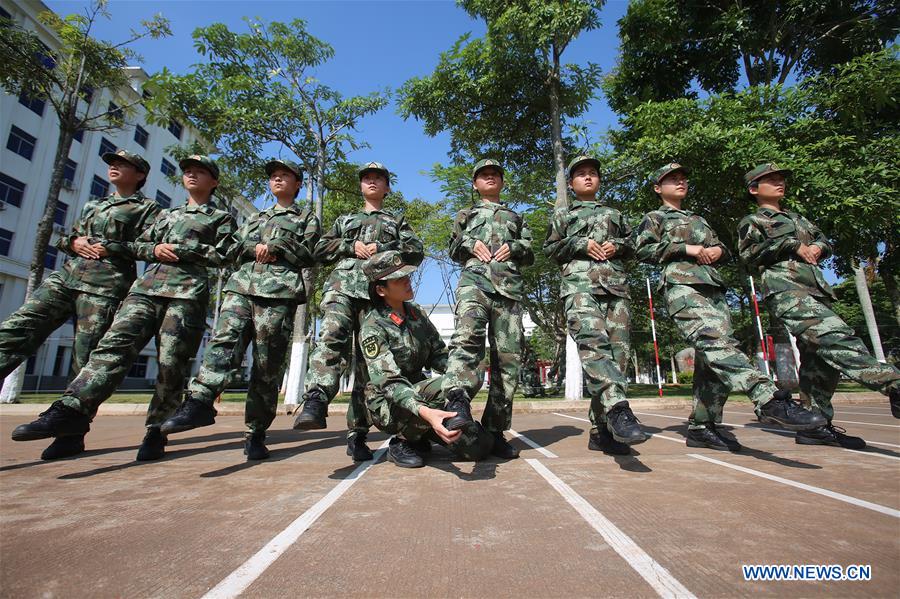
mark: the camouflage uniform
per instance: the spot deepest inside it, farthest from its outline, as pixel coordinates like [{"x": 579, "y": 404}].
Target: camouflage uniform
[
  {"x": 596, "y": 297},
  {"x": 169, "y": 301},
  {"x": 797, "y": 294},
  {"x": 259, "y": 303},
  {"x": 695, "y": 298},
  {"x": 487, "y": 297},
  {"x": 89, "y": 290},
  {"x": 346, "y": 299}
]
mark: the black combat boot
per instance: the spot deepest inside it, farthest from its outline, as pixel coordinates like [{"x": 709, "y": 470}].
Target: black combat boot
[
  {"x": 623, "y": 425},
  {"x": 502, "y": 449},
  {"x": 705, "y": 437},
  {"x": 315, "y": 409},
  {"x": 191, "y": 414},
  {"x": 64, "y": 447},
  {"x": 400, "y": 452},
  {"x": 895, "y": 401},
  {"x": 829, "y": 435},
  {"x": 254, "y": 448},
  {"x": 357, "y": 448},
  {"x": 726, "y": 437},
  {"x": 153, "y": 447},
  {"x": 423, "y": 445},
  {"x": 789, "y": 414},
  {"x": 602, "y": 440},
  {"x": 59, "y": 420},
  {"x": 458, "y": 401}
]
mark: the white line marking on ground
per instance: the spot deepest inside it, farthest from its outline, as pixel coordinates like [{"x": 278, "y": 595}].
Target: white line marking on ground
[
  {"x": 872, "y": 453},
  {"x": 237, "y": 582},
  {"x": 533, "y": 445},
  {"x": 655, "y": 435},
  {"x": 649, "y": 569},
  {"x": 867, "y": 423},
  {"x": 839, "y": 496}
]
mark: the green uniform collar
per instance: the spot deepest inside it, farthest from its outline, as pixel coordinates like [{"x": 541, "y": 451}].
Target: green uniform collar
[
  {"x": 206, "y": 208},
  {"x": 583, "y": 203},
  {"x": 667, "y": 208}
]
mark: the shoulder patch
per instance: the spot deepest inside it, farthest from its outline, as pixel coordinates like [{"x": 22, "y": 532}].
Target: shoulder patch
[{"x": 370, "y": 346}]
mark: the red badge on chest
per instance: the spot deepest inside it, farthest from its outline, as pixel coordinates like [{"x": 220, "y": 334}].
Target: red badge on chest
[{"x": 398, "y": 320}]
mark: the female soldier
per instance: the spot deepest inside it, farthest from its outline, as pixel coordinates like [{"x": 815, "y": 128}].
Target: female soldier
[
  {"x": 260, "y": 300},
  {"x": 92, "y": 282},
  {"x": 689, "y": 250},
  {"x": 169, "y": 301},
  {"x": 398, "y": 342}
]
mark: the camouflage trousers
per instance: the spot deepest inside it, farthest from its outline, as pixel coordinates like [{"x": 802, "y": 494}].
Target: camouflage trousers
[
  {"x": 601, "y": 327},
  {"x": 828, "y": 348},
  {"x": 268, "y": 323},
  {"x": 177, "y": 324},
  {"x": 48, "y": 308},
  {"x": 720, "y": 367},
  {"x": 337, "y": 345},
  {"x": 496, "y": 319}
]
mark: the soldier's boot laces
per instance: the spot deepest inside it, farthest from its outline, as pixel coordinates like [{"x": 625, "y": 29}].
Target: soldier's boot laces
[
  {"x": 402, "y": 454},
  {"x": 357, "y": 448},
  {"x": 705, "y": 437},
  {"x": 623, "y": 425},
  {"x": 830, "y": 435},
  {"x": 59, "y": 420},
  {"x": 895, "y": 402},
  {"x": 458, "y": 401},
  {"x": 312, "y": 416},
  {"x": 726, "y": 437},
  {"x": 502, "y": 448},
  {"x": 254, "y": 446},
  {"x": 192, "y": 413},
  {"x": 64, "y": 447},
  {"x": 789, "y": 414},
  {"x": 602, "y": 440},
  {"x": 153, "y": 446}
]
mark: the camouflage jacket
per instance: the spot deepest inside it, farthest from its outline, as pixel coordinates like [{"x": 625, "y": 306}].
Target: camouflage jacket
[
  {"x": 663, "y": 237},
  {"x": 397, "y": 349},
  {"x": 768, "y": 241},
  {"x": 291, "y": 235},
  {"x": 203, "y": 237},
  {"x": 567, "y": 241},
  {"x": 382, "y": 228},
  {"x": 493, "y": 224},
  {"x": 114, "y": 222}
]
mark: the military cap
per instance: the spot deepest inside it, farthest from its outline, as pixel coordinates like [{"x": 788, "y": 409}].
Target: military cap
[
  {"x": 286, "y": 164},
  {"x": 662, "y": 171},
  {"x": 579, "y": 160},
  {"x": 202, "y": 161},
  {"x": 387, "y": 265},
  {"x": 764, "y": 169},
  {"x": 377, "y": 167},
  {"x": 484, "y": 163},
  {"x": 135, "y": 160}
]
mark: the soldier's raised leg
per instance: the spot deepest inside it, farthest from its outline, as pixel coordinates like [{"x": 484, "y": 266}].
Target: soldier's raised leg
[{"x": 467, "y": 349}]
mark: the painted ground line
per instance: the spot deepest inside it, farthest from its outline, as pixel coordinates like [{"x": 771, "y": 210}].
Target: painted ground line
[
  {"x": 867, "y": 423},
  {"x": 235, "y": 583},
  {"x": 649, "y": 569},
  {"x": 543, "y": 451},
  {"x": 654, "y": 435},
  {"x": 818, "y": 490},
  {"x": 873, "y": 453}
]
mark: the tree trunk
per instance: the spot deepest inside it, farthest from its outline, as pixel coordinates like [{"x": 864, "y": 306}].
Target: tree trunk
[
  {"x": 865, "y": 302},
  {"x": 559, "y": 154},
  {"x": 887, "y": 269}
]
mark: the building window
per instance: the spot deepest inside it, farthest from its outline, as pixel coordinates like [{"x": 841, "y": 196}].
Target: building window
[
  {"x": 35, "y": 105},
  {"x": 141, "y": 136},
  {"x": 59, "y": 217},
  {"x": 60, "y": 362},
  {"x": 11, "y": 190},
  {"x": 69, "y": 171},
  {"x": 99, "y": 188},
  {"x": 175, "y": 128},
  {"x": 87, "y": 93},
  {"x": 163, "y": 200},
  {"x": 115, "y": 113},
  {"x": 5, "y": 242},
  {"x": 139, "y": 368},
  {"x": 29, "y": 366},
  {"x": 167, "y": 168},
  {"x": 50, "y": 258},
  {"x": 46, "y": 57},
  {"x": 78, "y": 135},
  {"x": 21, "y": 143},
  {"x": 145, "y": 93},
  {"x": 4, "y": 14},
  {"x": 107, "y": 146}
]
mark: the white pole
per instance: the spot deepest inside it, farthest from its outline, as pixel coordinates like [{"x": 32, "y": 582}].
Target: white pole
[
  {"x": 762, "y": 339},
  {"x": 655, "y": 345},
  {"x": 573, "y": 370}
]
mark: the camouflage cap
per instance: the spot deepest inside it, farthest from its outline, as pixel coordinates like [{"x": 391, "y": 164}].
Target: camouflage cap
[
  {"x": 662, "y": 171},
  {"x": 764, "y": 169},
  {"x": 484, "y": 163},
  {"x": 377, "y": 167},
  {"x": 287, "y": 164},
  {"x": 135, "y": 160},
  {"x": 474, "y": 443},
  {"x": 385, "y": 266},
  {"x": 203, "y": 162},
  {"x": 579, "y": 160}
]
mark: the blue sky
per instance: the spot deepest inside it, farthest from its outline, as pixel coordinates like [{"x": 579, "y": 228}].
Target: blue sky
[{"x": 378, "y": 45}]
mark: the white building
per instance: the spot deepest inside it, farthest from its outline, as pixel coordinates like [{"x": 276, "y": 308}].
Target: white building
[{"x": 29, "y": 130}]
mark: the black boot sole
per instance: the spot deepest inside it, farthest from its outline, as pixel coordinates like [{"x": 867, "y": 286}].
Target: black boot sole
[
  {"x": 180, "y": 428},
  {"x": 456, "y": 422},
  {"x": 789, "y": 426},
  {"x": 27, "y": 435},
  {"x": 808, "y": 441},
  {"x": 149, "y": 457},
  {"x": 629, "y": 440},
  {"x": 61, "y": 456},
  {"x": 701, "y": 444},
  {"x": 403, "y": 465},
  {"x": 308, "y": 424}
]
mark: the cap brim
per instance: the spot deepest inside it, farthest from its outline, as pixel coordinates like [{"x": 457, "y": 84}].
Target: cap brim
[
  {"x": 592, "y": 161},
  {"x": 111, "y": 157},
  {"x": 183, "y": 164},
  {"x": 494, "y": 166},
  {"x": 782, "y": 171},
  {"x": 271, "y": 166},
  {"x": 403, "y": 271}
]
